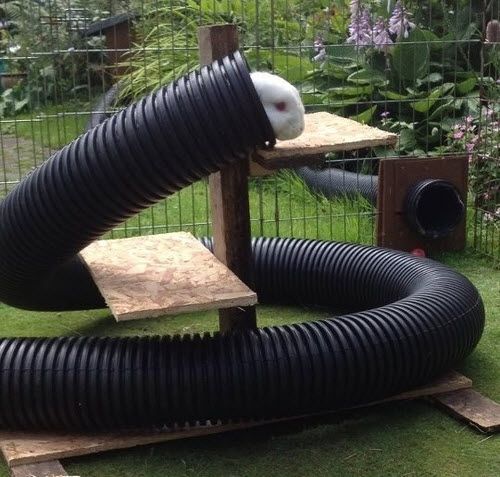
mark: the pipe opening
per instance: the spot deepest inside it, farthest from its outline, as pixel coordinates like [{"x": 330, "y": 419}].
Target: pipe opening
[{"x": 434, "y": 208}]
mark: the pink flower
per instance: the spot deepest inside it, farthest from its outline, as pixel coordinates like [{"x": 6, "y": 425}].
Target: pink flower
[
  {"x": 458, "y": 134},
  {"x": 469, "y": 147}
]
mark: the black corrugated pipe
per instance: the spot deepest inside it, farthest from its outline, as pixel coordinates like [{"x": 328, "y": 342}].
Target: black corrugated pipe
[
  {"x": 418, "y": 317},
  {"x": 102, "y": 109},
  {"x": 333, "y": 182},
  {"x": 151, "y": 149},
  {"x": 433, "y": 208}
]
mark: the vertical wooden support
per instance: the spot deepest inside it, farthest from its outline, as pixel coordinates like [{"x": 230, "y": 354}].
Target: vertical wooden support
[{"x": 229, "y": 195}]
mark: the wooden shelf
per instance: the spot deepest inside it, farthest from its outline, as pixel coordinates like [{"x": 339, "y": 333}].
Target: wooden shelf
[
  {"x": 323, "y": 133},
  {"x": 145, "y": 277}
]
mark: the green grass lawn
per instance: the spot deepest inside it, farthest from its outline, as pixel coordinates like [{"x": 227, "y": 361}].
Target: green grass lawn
[
  {"x": 53, "y": 126},
  {"x": 396, "y": 439},
  {"x": 400, "y": 439}
]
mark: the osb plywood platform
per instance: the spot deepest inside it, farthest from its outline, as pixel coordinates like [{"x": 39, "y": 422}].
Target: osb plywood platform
[
  {"x": 144, "y": 277},
  {"x": 323, "y": 133},
  {"x": 23, "y": 448}
]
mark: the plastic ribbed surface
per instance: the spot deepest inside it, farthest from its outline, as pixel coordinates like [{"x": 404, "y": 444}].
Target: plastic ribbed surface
[
  {"x": 153, "y": 148},
  {"x": 420, "y": 319},
  {"x": 433, "y": 208},
  {"x": 332, "y": 182}
]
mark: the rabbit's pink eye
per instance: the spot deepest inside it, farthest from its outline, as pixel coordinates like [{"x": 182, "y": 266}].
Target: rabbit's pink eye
[{"x": 281, "y": 106}]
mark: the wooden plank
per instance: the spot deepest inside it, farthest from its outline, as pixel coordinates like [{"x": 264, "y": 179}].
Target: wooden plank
[
  {"x": 450, "y": 381},
  {"x": 22, "y": 448},
  {"x": 229, "y": 194},
  {"x": 323, "y": 133},
  {"x": 52, "y": 468},
  {"x": 144, "y": 277},
  {"x": 396, "y": 177},
  {"x": 472, "y": 407},
  {"x": 256, "y": 170}
]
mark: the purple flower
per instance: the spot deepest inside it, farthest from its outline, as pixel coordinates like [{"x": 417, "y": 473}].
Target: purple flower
[
  {"x": 385, "y": 114},
  {"x": 458, "y": 134},
  {"x": 399, "y": 22},
  {"x": 360, "y": 28},
  {"x": 381, "y": 37}
]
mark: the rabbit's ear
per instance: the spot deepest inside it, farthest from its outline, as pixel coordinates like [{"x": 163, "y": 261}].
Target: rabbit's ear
[{"x": 282, "y": 103}]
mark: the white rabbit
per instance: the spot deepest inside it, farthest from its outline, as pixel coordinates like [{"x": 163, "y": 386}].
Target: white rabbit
[{"x": 282, "y": 103}]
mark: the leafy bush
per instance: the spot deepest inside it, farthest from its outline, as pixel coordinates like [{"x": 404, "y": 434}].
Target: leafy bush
[
  {"x": 479, "y": 137},
  {"x": 38, "y": 39},
  {"x": 167, "y": 43},
  {"x": 396, "y": 72}
]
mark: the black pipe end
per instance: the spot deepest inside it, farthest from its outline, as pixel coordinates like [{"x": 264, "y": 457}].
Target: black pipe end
[{"x": 434, "y": 208}]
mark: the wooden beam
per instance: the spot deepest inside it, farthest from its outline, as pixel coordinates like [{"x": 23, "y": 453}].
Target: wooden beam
[
  {"x": 229, "y": 195},
  {"x": 472, "y": 407},
  {"x": 22, "y": 448}
]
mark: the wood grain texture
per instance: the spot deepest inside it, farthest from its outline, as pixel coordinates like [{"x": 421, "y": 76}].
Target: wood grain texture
[
  {"x": 144, "y": 277},
  {"x": 229, "y": 194},
  {"x": 396, "y": 177},
  {"x": 216, "y": 41},
  {"x": 52, "y": 468},
  {"x": 323, "y": 133},
  {"x": 22, "y": 448},
  {"x": 472, "y": 407}
]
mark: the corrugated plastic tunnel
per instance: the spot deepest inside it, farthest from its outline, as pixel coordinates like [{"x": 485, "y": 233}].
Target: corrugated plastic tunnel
[
  {"x": 433, "y": 208},
  {"x": 410, "y": 318}
]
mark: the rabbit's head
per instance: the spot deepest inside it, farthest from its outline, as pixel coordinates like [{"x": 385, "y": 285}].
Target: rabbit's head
[{"x": 282, "y": 104}]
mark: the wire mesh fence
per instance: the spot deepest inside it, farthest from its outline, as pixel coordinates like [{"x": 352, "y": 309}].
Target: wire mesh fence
[{"x": 427, "y": 71}]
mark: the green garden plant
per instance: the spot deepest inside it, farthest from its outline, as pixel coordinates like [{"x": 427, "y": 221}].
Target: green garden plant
[{"x": 400, "y": 74}]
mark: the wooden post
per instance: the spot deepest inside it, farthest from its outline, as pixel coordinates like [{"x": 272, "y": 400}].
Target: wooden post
[{"x": 229, "y": 195}]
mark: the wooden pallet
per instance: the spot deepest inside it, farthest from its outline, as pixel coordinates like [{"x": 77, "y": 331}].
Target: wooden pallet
[{"x": 36, "y": 455}]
